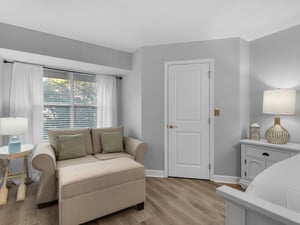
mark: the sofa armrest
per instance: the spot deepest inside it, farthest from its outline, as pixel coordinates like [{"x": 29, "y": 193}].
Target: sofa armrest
[
  {"x": 135, "y": 147},
  {"x": 44, "y": 160}
]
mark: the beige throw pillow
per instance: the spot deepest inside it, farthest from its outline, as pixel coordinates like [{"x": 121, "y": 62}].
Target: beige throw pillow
[
  {"x": 112, "y": 142},
  {"x": 70, "y": 146}
]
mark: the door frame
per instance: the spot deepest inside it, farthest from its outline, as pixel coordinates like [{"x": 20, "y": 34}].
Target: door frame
[{"x": 211, "y": 112}]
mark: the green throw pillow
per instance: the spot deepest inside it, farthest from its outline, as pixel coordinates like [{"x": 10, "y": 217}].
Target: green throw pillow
[
  {"x": 70, "y": 146},
  {"x": 112, "y": 142}
]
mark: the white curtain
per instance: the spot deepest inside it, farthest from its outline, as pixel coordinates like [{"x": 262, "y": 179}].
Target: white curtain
[
  {"x": 1, "y": 90},
  {"x": 5, "y": 81},
  {"x": 1, "y": 101},
  {"x": 106, "y": 101},
  {"x": 26, "y": 100}
]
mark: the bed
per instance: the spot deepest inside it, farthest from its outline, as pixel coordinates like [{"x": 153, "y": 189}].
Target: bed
[{"x": 272, "y": 198}]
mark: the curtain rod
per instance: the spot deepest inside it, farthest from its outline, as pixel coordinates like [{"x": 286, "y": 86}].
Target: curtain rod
[{"x": 63, "y": 70}]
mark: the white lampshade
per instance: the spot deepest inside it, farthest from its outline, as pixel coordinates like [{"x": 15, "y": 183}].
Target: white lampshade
[
  {"x": 13, "y": 126},
  {"x": 280, "y": 101}
]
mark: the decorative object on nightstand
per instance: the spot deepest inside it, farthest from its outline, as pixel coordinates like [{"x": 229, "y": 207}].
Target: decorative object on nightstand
[
  {"x": 257, "y": 155},
  {"x": 254, "y": 131},
  {"x": 280, "y": 101},
  {"x": 13, "y": 127}
]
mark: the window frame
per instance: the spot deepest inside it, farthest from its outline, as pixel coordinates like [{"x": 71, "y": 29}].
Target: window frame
[{"x": 69, "y": 75}]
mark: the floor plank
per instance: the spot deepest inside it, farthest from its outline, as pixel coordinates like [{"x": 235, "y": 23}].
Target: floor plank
[{"x": 169, "y": 201}]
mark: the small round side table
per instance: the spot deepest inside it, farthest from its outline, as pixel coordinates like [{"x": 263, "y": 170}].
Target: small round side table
[{"x": 5, "y": 158}]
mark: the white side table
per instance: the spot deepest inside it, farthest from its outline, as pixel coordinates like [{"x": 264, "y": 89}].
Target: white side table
[{"x": 5, "y": 158}]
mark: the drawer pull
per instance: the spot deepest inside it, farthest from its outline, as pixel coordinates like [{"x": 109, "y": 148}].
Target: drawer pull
[{"x": 266, "y": 154}]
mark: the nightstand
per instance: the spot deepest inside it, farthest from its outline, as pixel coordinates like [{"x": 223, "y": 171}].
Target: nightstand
[{"x": 257, "y": 155}]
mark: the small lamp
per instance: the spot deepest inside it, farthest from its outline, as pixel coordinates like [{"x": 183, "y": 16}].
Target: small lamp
[
  {"x": 13, "y": 127},
  {"x": 280, "y": 101}
]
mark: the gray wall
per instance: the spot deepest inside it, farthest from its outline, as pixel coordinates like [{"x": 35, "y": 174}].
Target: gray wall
[
  {"x": 226, "y": 55},
  {"x": 132, "y": 99},
  {"x": 143, "y": 89},
  {"x": 275, "y": 63},
  {"x": 244, "y": 88},
  {"x": 21, "y": 39}
]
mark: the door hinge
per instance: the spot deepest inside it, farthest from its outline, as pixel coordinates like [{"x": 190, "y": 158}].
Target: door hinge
[
  {"x": 209, "y": 120},
  {"x": 209, "y": 72},
  {"x": 209, "y": 167},
  {"x": 245, "y": 173},
  {"x": 245, "y": 161}
]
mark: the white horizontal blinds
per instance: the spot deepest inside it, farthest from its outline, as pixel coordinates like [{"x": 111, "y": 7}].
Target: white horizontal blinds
[
  {"x": 69, "y": 100},
  {"x": 56, "y": 87},
  {"x": 57, "y": 100},
  {"x": 85, "y": 100}
]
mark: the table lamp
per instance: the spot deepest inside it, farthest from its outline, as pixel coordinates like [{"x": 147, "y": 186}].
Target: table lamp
[
  {"x": 280, "y": 101},
  {"x": 13, "y": 127}
]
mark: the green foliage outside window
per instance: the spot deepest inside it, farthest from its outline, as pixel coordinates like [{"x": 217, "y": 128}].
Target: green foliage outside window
[{"x": 69, "y": 101}]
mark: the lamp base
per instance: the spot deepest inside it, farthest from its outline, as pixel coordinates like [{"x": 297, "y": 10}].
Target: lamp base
[
  {"x": 277, "y": 134},
  {"x": 14, "y": 145}
]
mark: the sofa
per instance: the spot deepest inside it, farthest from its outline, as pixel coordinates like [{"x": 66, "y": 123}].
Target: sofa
[{"x": 45, "y": 157}]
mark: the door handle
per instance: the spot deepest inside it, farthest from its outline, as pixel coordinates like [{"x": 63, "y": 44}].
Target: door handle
[
  {"x": 266, "y": 154},
  {"x": 172, "y": 126}
]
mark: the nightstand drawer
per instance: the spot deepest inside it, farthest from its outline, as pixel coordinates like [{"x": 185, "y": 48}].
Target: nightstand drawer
[{"x": 268, "y": 154}]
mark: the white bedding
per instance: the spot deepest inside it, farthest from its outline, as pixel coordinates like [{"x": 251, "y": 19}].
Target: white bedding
[{"x": 280, "y": 184}]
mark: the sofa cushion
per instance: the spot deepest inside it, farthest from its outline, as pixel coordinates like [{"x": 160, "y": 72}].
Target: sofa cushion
[
  {"x": 70, "y": 146},
  {"x": 106, "y": 156},
  {"x": 92, "y": 177},
  {"x": 77, "y": 161},
  {"x": 96, "y": 136},
  {"x": 112, "y": 142},
  {"x": 54, "y": 133}
]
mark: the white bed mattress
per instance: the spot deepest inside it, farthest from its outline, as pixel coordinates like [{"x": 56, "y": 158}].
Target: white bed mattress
[{"x": 280, "y": 184}]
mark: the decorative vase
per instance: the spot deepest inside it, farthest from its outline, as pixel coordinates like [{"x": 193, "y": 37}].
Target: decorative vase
[{"x": 277, "y": 134}]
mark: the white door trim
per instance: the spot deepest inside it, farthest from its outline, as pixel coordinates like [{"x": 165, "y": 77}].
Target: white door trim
[{"x": 211, "y": 112}]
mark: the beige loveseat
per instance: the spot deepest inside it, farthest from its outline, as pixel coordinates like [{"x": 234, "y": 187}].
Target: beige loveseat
[{"x": 45, "y": 157}]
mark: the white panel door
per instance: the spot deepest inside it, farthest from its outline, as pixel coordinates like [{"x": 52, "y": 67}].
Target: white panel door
[{"x": 188, "y": 125}]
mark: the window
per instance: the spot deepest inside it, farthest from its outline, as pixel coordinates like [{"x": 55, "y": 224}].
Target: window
[{"x": 69, "y": 100}]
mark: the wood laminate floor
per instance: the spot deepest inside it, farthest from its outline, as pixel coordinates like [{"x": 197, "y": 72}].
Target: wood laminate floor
[{"x": 169, "y": 201}]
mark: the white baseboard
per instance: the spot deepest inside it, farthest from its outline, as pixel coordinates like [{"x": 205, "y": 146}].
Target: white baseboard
[
  {"x": 155, "y": 173},
  {"x": 226, "y": 179},
  {"x": 216, "y": 178}
]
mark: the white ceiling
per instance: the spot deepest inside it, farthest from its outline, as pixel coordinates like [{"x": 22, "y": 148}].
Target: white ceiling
[{"x": 130, "y": 24}]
